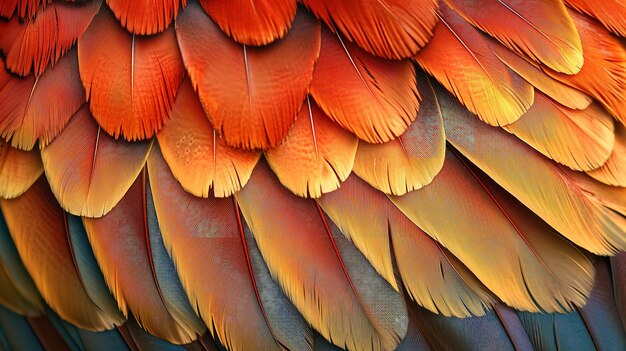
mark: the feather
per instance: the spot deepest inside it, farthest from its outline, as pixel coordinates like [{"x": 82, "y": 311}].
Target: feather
[
  {"x": 207, "y": 245},
  {"x": 22, "y": 8},
  {"x": 432, "y": 277},
  {"x": 513, "y": 327},
  {"x": 542, "y": 30},
  {"x": 536, "y": 270},
  {"x": 32, "y": 45},
  {"x": 103, "y": 341},
  {"x": 257, "y": 22},
  {"x": 11, "y": 298},
  {"x": 148, "y": 342},
  {"x": 53, "y": 333},
  {"x": 604, "y": 72},
  {"x": 557, "y": 131},
  {"x": 374, "y": 98},
  {"x": 198, "y": 158},
  {"x": 17, "y": 333},
  {"x": 531, "y": 72},
  {"x": 588, "y": 213},
  {"x": 325, "y": 277},
  {"x": 18, "y": 170},
  {"x": 393, "y": 29},
  {"x": 251, "y": 95},
  {"x": 413, "y": 159},
  {"x": 145, "y": 17},
  {"x": 618, "y": 268},
  {"x": 78, "y": 166},
  {"x": 460, "y": 58},
  {"x": 613, "y": 171},
  {"x": 612, "y": 14},
  {"x": 38, "y": 108},
  {"x": 317, "y": 154},
  {"x": 555, "y": 331},
  {"x": 43, "y": 244},
  {"x": 123, "y": 244},
  {"x": 131, "y": 81},
  {"x": 600, "y": 313}
]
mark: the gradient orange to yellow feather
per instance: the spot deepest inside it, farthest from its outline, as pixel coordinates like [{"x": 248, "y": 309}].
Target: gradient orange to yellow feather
[{"x": 292, "y": 175}]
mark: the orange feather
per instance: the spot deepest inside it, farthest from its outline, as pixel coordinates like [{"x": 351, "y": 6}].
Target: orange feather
[
  {"x": 131, "y": 81},
  {"x": 460, "y": 58},
  {"x": 251, "y": 95},
  {"x": 317, "y": 154},
  {"x": 18, "y": 170},
  {"x": 145, "y": 17},
  {"x": 540, "y": 29},
  {"x": 612, "y": 14},
  {"x": 43, "y": 244},
  {"x": 604, "y": 71},
  {"x": 580, "y": 139},
  {"x": 206, "y": 241},
  {"x": 257, "y": 22},
  {"x": 89, "y": 180},
  {"x": 38, "y": 108},
  {"x": 413, "y": 159},
  {"x": 199, "y": 159},
  {"x": 393, "y": 29},
  {"x": 374, "y": 98},
  {"x": 122, "y": 247},
  {"x": 613, "y": 172},
  {"x": 32, "y": 45}
]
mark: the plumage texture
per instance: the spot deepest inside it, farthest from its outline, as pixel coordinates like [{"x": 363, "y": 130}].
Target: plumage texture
[
  {"x": 374, "y": 98},
  {"x": 460, "y": 58},
  {"x": 401, "y": 30},
  {"x": 556, "y": 131},
  {"x": 43, "y": 246},
  {"x": 264, "y": 87},
  {"x": 613, "y": 171},
  {"x": 127, "y": 95},
  {"x": 18, "y": 170},
  {"x": 257, "y": 22},
  {"x": 539, "y": 29},
  {"x": 41, "y": 106},
  {"x": 200, "y": 160},
  {"x": 32, "y": 45},
  {"x": 145, "y": 16},
  {"x": 411, "y": 161},
  {"x": 66, "y": 165},
  {"x": 317, "y": 154},
  {"x": 610, "y": 13},
  {"x": 588, "y": 213}
]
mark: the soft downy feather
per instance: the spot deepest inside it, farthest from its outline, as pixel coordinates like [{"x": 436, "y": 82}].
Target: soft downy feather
[
  {"x": 251, "y": 94},
  {"x": 325, "y": 277},
  {"x": 206, "y": 240}
]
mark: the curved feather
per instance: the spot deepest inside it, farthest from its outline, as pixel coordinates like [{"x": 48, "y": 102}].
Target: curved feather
[
  {"x": 81, "y": 177},
  {"x": 123, "y": 245},
  {"x": 38, "y": 108},
  {"x": 19, "y": 170},
  {"x": 145, "y": 17},
  {"x": 22, "y": 8},
  {"x": 43, "y": 245},
  {"x": 612, "y": 14},
  {"x": 531, "y": 72},
  {"x": 317, "y": 154},
  {"x": 325, "y": 277},
  {"x": 604, "y": 72},
  {"x": 557, "y": 132},
  {"x": 374, "y": 98},
  {"x": 32, "y": 45},
  {"x": 206, "y": 241},
  {"x": 588, "y": 213},
  {"x": 402, "y": 28},
  {"x": 256, "y": 22},
  {"x": 251, "y": 95},
  {"x": 432, "y": 277},
  {"x": 613, "y": 171},
  {"x": 11, "y": 298},
  {"x": 199, "y": 159},
  {"x": 131, "y": 81},
  {"x": 413, "y": 159},
  {"x": 542, "y": 30},
  {"x": 459, "y": 57}
]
